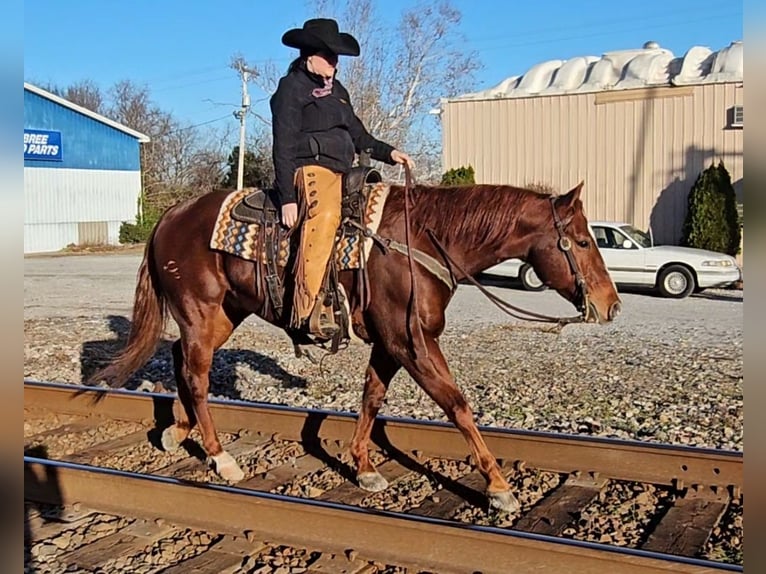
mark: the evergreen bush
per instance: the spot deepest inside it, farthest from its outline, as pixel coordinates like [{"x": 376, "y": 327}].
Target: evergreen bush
[
  {"x": 139, "y": 231},
  {"x": 712, "y": 220},
  {"x": 459, "y": 176}
]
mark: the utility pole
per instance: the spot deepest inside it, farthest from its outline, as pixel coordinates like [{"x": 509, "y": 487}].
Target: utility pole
[{"x": 241, "y": 114}]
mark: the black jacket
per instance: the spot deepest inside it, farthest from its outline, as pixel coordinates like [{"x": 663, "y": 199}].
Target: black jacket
[{"x": 314, "y": 130}]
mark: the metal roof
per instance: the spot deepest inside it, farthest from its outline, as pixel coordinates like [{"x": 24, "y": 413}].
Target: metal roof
[
  {"x": 649, "y": 66},
  {"x": 91, "y": 114}
]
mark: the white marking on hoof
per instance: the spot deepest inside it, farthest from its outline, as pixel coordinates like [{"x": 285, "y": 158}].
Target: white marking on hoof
[
  {"x": 169, "y": 440},
  {"x": 146, "y": 386},
  {"x": 227, "y": 468},
  {"x": 372, "y": 481},
  {"x": 503, "y": 501}
]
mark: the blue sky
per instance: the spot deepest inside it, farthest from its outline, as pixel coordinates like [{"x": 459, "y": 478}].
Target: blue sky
[{"x": 181, "y": 50}]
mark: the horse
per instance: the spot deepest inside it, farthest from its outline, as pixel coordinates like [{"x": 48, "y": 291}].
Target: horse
[{"x": 468, "y": 227}]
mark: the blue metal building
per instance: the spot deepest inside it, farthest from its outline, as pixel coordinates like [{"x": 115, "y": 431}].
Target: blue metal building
[{"x": 82, "y": 174}]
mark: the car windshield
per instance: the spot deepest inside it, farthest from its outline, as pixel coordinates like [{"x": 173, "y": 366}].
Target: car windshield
[{"x": 636, "y": 235}]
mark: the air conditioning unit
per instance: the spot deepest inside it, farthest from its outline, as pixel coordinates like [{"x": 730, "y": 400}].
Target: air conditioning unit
[{"x": 737, "y": 116}]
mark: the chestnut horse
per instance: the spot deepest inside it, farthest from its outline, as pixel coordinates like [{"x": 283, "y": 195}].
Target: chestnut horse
[{"x": 468, "y": 228}]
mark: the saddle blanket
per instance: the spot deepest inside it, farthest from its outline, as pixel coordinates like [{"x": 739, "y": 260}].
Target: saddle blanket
[
  {"x": 347, "y": 254},
  {"x": 243, "y": 239},
  {"x": 240, "y": 238}
]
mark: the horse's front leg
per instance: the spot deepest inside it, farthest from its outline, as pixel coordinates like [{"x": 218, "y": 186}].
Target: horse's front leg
[
  {"x": 380, "y": 371},
  {"x": 433, "y": 375}
]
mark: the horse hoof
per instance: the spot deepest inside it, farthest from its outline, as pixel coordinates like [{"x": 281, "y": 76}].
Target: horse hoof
[
  {"x": 227, "y": 468},
  {"x": 168, "y": 440},
  {"x": 372, "y": 481},
  {"x": 503, "y": 501}
]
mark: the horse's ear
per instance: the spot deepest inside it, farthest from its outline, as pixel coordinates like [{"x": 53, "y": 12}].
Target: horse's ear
[{"x": 570, "y": 197}]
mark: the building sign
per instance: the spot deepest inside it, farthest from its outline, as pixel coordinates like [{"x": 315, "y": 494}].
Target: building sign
[{"x": 42, "y": 145}]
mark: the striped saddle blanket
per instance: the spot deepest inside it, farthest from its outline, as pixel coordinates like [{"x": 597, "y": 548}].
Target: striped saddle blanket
[{"x": 254, "y": 241}]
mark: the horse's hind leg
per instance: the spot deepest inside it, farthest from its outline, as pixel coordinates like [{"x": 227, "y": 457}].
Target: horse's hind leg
[
  {"x": 193, "y": 358},
  {"x": 175, "y": 434},
  {"x": 380, "y": 371}
]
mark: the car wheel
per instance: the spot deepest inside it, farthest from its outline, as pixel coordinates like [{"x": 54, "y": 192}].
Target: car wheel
[
  {"x": 529, "y": 278},
  {"x": 676, "y": 282}
]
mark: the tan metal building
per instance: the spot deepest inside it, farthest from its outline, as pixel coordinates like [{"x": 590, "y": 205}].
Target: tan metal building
[{"x": 638, "y": 126}]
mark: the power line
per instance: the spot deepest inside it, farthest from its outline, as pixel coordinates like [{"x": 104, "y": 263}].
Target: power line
[
  {"x": 188, "y": 85},
  {"x": 663, "y": 18},
  {"x": 197, "y": 125},
  {"x": 597, "y": 34},
  {"x": 207, "y": 70}
]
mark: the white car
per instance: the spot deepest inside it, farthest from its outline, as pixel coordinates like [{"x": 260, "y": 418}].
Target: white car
[{"x": 633, "y": 260}]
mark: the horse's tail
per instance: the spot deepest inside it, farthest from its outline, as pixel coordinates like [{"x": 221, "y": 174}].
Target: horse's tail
[{"x": 149, "y": 318}]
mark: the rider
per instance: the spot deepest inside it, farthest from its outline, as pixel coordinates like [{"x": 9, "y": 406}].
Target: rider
[{"x": 316, "y": 134}]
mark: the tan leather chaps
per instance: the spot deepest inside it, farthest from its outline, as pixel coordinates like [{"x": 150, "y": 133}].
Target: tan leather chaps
[{"x": 319, "y": 197}]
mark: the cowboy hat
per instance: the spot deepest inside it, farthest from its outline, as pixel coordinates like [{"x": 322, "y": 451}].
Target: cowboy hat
[{"x": 321, "y": 34}]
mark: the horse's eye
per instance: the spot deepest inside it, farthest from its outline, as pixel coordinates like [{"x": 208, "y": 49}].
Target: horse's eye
[{"x": 584, "y": 243}]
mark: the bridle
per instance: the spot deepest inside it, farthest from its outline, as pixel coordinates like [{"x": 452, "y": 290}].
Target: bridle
[{"x": 565, "y": 244}]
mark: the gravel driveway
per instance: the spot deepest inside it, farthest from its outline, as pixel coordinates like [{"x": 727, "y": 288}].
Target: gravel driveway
[{"x": 666, "y": 370}]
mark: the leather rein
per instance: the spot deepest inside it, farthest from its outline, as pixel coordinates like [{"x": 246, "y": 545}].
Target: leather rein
[
  {"x": 564, "y": 244},
  {"x": 448, "y": 276}
]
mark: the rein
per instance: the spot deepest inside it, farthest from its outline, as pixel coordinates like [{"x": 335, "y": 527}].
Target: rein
[
  {"x": 413, "y": 284},
  {"x": 564, "y": 243},
  {"x": 503, "y": 305}
]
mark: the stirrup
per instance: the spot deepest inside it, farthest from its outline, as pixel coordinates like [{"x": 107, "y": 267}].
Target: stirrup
[{"x": 322, "y": 326}]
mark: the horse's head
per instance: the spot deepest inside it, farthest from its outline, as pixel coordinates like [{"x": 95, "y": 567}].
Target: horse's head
[{"x": 566, "y": 258}]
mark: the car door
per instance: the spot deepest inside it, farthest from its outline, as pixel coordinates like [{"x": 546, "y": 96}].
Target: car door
[{"x": 625, "y": 261}]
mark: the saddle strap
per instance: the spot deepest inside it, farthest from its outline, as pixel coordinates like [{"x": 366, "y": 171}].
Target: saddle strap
[
  {"x": 272, "y": 277},
  {"x": 436, "y": 268},
  {"x": 431, "y": 264}
]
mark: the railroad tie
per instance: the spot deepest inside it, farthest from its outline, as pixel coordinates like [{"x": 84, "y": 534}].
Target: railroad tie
[
  {"x": 687, "y": 525},
  {"x": 86, "y": 454},
  {"x": 238, "y": 447},
  {"x": 554, "y": 512},
  {"x": 224, "y": 557},
  {"x": 351, "y": 493},
  {"x": 468, "y": 489},
  {"x": 290, "y": 471},
  {"x": 129, "y": 540}
]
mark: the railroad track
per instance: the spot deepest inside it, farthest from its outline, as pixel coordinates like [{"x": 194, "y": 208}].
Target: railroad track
[{"x": 588, "y": 504}]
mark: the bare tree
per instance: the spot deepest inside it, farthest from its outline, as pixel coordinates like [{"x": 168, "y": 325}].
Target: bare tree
[
  {"x": 131, "y": 105},
  {"x": 208, "y": 163},
  {"x": 84, "y": 93},
  {"x": 179, "y": 161},
  {"x": 87, "y": 94},
  {"x": 401, "y": 74}
]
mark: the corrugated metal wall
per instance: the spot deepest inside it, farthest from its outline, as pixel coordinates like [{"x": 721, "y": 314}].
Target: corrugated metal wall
[
  {"x": 85, "y": 197},
  {"x": 85, "y": 142},
  {"x": 58, "y": 201},
  {"x": 638, "y": 151}
]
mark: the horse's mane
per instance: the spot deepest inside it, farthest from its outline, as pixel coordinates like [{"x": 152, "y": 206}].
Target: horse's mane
[{"x": 484, "y": 212}]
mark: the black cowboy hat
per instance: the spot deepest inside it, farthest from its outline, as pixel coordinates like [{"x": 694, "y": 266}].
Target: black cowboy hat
[{"x": 321, "y": 34}]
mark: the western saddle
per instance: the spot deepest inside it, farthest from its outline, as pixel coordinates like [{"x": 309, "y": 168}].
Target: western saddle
[{"x": 260, "y": 207}]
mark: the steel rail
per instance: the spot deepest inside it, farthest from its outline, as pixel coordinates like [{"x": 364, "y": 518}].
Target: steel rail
[
  {"x": 618, "y": 459},
  {"x": 416, "y": 542}
]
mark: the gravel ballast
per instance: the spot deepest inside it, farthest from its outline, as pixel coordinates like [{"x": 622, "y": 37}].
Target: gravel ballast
[{"x": 665, "y": 372}]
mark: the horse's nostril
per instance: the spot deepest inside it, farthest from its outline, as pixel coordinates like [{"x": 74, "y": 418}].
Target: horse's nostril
[{"x": 614, "y": 311}]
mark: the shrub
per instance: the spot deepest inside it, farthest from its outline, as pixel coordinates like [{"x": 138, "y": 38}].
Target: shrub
[
  {"x": 139, "y": 231},
  {"x": 712, "y": 220},
  {"x": 543, "y": 188},
  {"x": 459, "y": 176}
]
